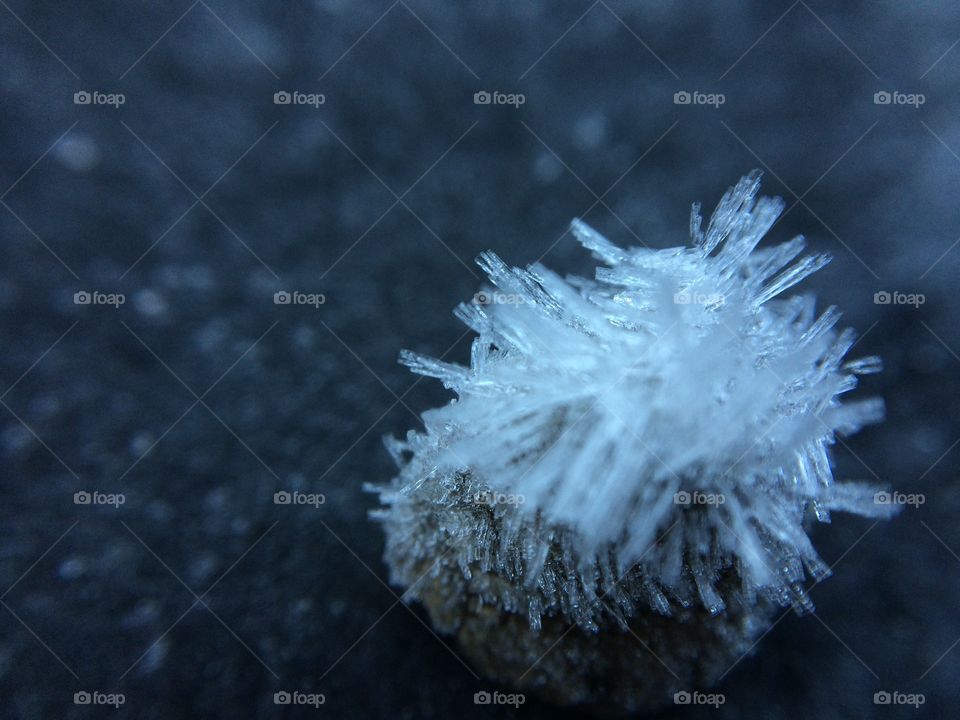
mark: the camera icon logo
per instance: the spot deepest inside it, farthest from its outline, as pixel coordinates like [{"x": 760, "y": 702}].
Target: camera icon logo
[
  {"x": 682, "y": 97},
  {"x": 682, "y": 698},
  {"x": 82, "y": 98},
  {"x": 282, "y": 698},
  {"x": 282, "y": 98},
  {"x": 882, "y": 298},
  {"x": 82, "y": 698},
  {"x": 82, "y": 298},
  {"x": 482, "y": 98},
  {"x": 282, "y": 498},
  {"x": 882, "y": 498},
  {"x": 82, "y": 498},
  {"x": 282, "y": 297},
  {"x": 482, "y": 698},
  {"x": 882, "y": 98},
  {"x": 481, "y": 298},
  {"x": 882, "y": 698},
  {"x": 681, "y": 498}
]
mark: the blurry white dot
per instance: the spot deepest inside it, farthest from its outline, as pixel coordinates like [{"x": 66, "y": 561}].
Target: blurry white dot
[
  {"x": 590, "y": 130},
  {"x": 203, "y": 567},
  {"x": 338, "y": 608},
  {"x": 77, "y": 152},
  {"x": 211, "y": 335},
  {"x": 16, "y": 437},
  {"x": 195, "y": 277},
  {"x": 546, "y": 168},
  {"x": 149, "y": 303},
  {"x": 140, "y": 443},
  {"x": 154, "y": 657},
  {"x": 160, "y": 511},
  {"x": 240, "y": 526},
  {"x": 71, "y": 568},
  {"x": 304, "y": 337},
  {"x": 46, "y": 405},
  {"x": 144, "y": 613},
  {"x": 216, "y": 500},
  {"x": 302, "y": 606},
  {"x": 8, "y": 293}
]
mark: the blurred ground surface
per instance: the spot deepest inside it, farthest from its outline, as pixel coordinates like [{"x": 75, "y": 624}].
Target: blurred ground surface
[{"x": 199, "y": 198}]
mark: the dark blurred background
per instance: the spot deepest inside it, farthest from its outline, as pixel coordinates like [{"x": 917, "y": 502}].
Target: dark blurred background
[{"x": 198, "y": 398}]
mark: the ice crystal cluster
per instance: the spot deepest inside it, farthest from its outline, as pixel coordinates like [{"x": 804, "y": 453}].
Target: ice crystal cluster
[{"x": 655, "y": 438}]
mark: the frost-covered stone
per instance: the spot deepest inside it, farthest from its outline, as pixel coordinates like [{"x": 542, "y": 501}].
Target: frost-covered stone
[{"x": 654, "y": 439}]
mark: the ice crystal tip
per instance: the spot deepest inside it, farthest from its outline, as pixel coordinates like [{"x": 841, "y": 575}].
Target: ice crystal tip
[{"x": 654, "y": 428}]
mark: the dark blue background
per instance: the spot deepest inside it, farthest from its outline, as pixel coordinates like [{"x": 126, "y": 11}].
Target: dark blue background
[{"x": 298, "y": 198}]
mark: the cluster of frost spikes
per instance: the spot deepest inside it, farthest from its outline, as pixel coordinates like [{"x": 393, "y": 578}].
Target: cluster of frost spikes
[{"x": 671, "y": 418}]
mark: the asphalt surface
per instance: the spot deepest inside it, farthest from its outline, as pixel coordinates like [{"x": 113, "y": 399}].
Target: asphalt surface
[{"x": 198, "y": 398}]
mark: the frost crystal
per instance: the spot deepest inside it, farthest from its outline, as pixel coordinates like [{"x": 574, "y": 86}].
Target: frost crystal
[{"x": 642, "y": 437}]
